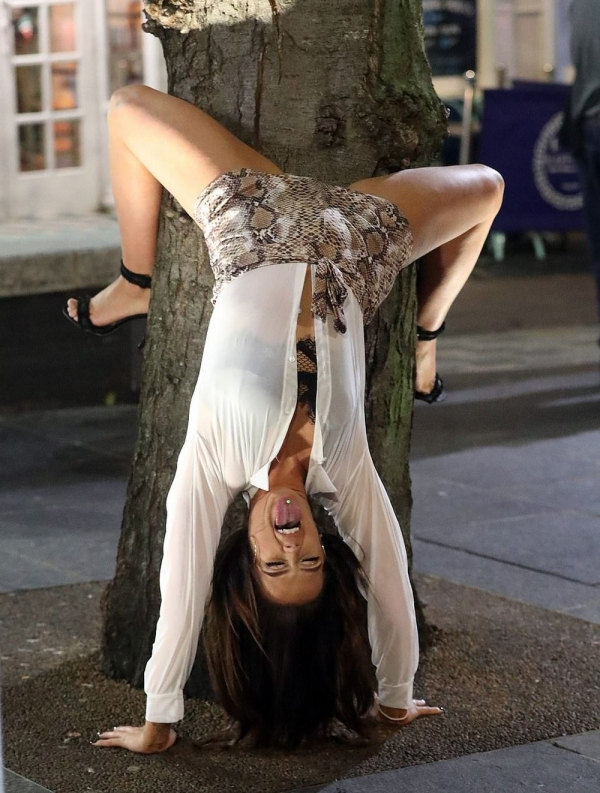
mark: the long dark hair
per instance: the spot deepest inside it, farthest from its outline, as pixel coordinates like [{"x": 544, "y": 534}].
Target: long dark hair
[{"x": 283, "y": 672}]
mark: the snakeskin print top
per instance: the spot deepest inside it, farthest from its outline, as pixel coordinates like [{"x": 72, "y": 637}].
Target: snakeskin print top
[{"x": 356, "y": 241}]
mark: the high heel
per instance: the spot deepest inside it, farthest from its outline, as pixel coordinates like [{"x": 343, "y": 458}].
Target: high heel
[
  {"x": 437, "y": 393},
  {"x": 83, "y": 321}
]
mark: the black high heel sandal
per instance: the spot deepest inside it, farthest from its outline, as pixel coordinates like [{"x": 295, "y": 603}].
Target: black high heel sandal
[
  {"x": 437, "y": 393},
  {"x": 83, "y": 321}
]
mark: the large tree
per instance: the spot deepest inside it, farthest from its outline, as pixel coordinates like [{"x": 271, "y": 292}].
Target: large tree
[{"x": 338, "y": 90}]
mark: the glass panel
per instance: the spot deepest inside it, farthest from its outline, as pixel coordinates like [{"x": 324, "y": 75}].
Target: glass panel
[
  {"x": 64, "y": 85},
  {"x": 67, "y": 149},
  {"x": 26, "y": 31},
  {"x": 29, "y": 89},
  {"x": 31, "y": 147},
  {"x": 62, "y": 28},
  {"x": 124, "y": 42}
]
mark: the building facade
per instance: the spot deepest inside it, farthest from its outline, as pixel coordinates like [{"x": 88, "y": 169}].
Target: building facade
[
  {"x": 61, "y": 59},
  {"x": 59, "y": 63}
]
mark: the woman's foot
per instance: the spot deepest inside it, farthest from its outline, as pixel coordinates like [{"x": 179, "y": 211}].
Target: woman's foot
[
  {"x": 428, "y": 384},
  {"x": 115, "y": 302}
]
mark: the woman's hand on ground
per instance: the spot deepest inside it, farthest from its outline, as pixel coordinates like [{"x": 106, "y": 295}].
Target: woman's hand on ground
[
  {"x": 401, "y": 717},
  {"x": 149, "y": 739}
]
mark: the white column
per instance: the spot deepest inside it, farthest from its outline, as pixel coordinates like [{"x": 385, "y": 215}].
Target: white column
[
  {"x": 155, "y": 70},
  {"x": 486, "y": 44},
  {"x": 564, "y": 68}
]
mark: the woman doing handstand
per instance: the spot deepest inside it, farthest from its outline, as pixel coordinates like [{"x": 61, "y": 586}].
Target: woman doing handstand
[{"x": 278, "y": 414}]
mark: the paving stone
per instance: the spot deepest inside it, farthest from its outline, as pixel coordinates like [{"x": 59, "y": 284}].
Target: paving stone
[
  {"x": 37, "y": 460},
  {"x": 543, "y": 542},
  {"x": 21, "y": 572},
  {"x": 581, "y": 494},
  {"x": 520, "y": 298},
  {"x": 441, "y": 506},
  {"x": 13, "y": 783},
  {"x": 541, "y": 391},
  {"x": 590, "y": 612},
  {"x": 587, "y": 744},
  {"x": 519, "y": 349},
  {"x": 509, "y": 580},
  {"x": 466, "y": 424},
  {"x": 103, "y": 430},
  {"x": 104, "y": 496},
  {"x": 536, "y": 767},
  {"x": 508, "y": 465},
  {"x": 71, "y": 523},
  {"x": 35, "y": 557}
]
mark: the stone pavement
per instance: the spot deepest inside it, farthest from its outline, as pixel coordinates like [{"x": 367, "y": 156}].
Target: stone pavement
[
  {"x": 61, "y": 494},
  {"x": 566, "y": 764},
  {"x": 506, "y": 471},
  {"x": 505, "y": 476},
  {"x": 14, "y": 783}
]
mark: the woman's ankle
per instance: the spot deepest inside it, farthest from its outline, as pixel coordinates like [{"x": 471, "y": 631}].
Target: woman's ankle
[{"x": 127, "y": 287}]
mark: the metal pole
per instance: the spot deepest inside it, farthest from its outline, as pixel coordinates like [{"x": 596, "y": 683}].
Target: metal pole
[
  {"x": 501, "y": 75},
  {"x": 467, "y": 119}
]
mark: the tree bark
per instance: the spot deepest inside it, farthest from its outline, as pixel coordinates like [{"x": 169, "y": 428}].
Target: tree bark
[{"x": 339, "y": 91}]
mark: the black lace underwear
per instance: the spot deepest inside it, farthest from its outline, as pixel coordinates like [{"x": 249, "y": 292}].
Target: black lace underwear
[{"x": 306, "y": 356}]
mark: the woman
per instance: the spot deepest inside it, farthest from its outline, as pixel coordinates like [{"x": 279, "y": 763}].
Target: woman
[{"x": 259, "y": 425}]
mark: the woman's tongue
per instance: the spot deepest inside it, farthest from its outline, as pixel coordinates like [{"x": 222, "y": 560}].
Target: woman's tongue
[{"x": 287, "y": 513}]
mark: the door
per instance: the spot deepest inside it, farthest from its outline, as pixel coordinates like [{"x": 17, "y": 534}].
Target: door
[
  {"x": 49, "y": 100},
  {"x": 534, "y": 56}
]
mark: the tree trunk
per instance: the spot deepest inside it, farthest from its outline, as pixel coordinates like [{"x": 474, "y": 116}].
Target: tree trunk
[{"x": 338, "y": 90}]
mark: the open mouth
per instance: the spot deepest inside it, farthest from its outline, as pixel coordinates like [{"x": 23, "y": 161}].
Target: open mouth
[
  {"x": 288, "y": 528},
  {"x": 286, "y": 517}
]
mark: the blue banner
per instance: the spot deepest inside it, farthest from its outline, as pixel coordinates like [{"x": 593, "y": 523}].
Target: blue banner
[
  {"x": 450, "y": 35},
  {"x": 519, "y": 138}
]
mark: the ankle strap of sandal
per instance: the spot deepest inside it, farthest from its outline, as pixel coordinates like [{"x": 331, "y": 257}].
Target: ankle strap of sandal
[
  {"x": 143, "y": 281},
  {"x": 429, "y": 335}
]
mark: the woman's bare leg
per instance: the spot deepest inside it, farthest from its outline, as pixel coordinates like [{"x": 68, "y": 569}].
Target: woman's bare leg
[
  {"x": 158, "y": 141},
  {"x": 450, "y": 211}
]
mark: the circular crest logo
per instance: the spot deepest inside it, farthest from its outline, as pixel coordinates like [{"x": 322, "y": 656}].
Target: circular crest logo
[{"x": 555, "y": 172}]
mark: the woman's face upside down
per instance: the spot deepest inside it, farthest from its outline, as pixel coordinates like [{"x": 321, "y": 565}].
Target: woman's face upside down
[{"x": 286, "y": 544}]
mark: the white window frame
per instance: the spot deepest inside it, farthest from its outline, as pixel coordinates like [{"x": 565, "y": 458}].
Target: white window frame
[{"x": 52, "y": 192}]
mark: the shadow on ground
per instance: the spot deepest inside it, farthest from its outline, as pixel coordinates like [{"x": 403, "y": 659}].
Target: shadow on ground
[
  {"x": 488, "y": 409},
  {"x": 506, "y": 672}
]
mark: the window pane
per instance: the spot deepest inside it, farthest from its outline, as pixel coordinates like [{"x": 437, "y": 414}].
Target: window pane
[
  {"x": 31, "y": 147},
  {"x": 64, "y": 85},
  {"x": 26, "y": 30},
  {"x": 67, "y": 149},
  {"x": 29, "y": 89},
  {"x": 62, "y": 28}
]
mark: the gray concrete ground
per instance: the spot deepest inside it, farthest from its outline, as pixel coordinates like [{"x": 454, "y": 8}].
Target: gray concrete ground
[
  {"x": 14, "y": 783},
  {"x": 505, "y": 477},
  {"x": 506, "y": 471},
  {"x": 552, "y": 766}
]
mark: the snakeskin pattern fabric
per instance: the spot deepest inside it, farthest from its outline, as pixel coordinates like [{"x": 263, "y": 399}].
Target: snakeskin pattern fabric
[{"x": 357, "y": 241}]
